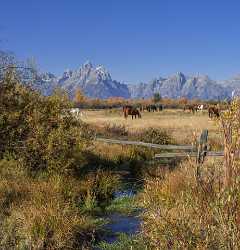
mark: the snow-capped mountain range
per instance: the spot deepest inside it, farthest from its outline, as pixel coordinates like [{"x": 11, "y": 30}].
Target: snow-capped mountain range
[{"x": 96, "y": 82}]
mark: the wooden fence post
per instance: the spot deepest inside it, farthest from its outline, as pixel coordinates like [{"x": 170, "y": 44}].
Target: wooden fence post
[{"x": 202, "y": 149}]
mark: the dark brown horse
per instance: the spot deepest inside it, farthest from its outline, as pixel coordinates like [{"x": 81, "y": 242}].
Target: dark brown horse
[
  {"x": 191, "y": 108},
  {"x": 129, "y": 110},
  {"x": 126, "y": 109},
  {"x": 213, "y": 112},
  {"x": 160, "y": 107},
  {"x": 151, "y": 108}
]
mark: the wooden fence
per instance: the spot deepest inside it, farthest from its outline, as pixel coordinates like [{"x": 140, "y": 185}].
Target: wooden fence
[
  {"x": 199, "y": 151},
  {"x": 148, "y": 145}
]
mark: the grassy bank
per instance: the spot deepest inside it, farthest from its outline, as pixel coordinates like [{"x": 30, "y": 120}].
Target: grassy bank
[{"x": 44, "y": 212}]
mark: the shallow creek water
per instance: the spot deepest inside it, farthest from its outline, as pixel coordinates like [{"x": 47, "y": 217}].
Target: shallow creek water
[{"x": 120, "y": 223}]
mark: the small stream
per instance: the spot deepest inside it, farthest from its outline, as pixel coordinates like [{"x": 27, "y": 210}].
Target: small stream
[{"x": 120, "y": 223}]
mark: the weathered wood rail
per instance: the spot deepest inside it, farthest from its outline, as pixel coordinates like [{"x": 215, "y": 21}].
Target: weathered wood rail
[
  {"x": 199, "y": 151},
  {"x": 149, "y": 145},
  {"x": 190, "y": 154}
]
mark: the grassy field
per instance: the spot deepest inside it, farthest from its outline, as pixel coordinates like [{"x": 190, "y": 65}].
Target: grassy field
[{"x": 183, "y": 126}]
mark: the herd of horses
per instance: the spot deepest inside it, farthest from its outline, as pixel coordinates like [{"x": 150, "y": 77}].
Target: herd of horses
[
  {"x": 128, "y": 110},
  {"x": 135, "y": 112},
  {"x": 213, "y": 111},
  {"x": 152, "y": 107}
]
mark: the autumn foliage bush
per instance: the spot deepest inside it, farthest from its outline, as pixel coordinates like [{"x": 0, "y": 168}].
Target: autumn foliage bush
[
  {"x": 39, "y": 130},
  {"x": 41, "y": 213},
  {"x": 180, "y": 214},
  {"x": 47, "y": 178},
  {"x": 154, "y": 135}
]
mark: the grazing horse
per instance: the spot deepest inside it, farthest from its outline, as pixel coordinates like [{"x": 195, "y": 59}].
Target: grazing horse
[
  {"x": 191, "y": 108},
  {"x": 152, "y": 108},
  {"x": 135, "y": 113},
  {"x": 148, "y": 108},
  {"x": 129, "y": 110},
  {"x": 160, "y": 107},
  {"x": 143, "y": 108},
  {"x": 213, "y": 111},
  {"x": 126, "y": 109},
  {"x": 200, "y": 107},
  {"x": 75, "y": 112}
]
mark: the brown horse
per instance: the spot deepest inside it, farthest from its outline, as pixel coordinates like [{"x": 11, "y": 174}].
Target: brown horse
[
  {"x": 129, "y": 110},
  {"x": 213, "y": 111},
  {"x": 126, "y": 109},
  {"x": 191, "y": 108},
  {"x": 151, "y": 108}
]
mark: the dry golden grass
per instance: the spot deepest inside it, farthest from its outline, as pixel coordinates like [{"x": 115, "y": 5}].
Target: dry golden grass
[
  {"x": 182, "y": 125},
  {"x": 41, "y": 213}
]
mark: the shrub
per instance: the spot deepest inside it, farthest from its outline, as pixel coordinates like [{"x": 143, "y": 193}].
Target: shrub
[
  {"x": 99, "y": 188},
  {"x": 44, "y": 184},
  {"x": 40, "y": 131},
  {"x": 40, "y": 213},
  {"x": 180, "y": 214},
  {"x": 115, "y": 130},
  {"x": 154, "y": 135}
]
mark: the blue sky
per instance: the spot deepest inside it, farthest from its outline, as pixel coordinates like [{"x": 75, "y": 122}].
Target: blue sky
[{"x": 136, "y": 40}]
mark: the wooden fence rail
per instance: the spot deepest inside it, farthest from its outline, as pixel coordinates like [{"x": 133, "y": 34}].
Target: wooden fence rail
[
  {"x": 199, "y": 151},
  {"x": 185, "y": 154},
  {"x": 149, "y": 145}
]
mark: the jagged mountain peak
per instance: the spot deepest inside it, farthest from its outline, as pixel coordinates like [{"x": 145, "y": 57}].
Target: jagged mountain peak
[
  {"x": 101, "y": 69},
  {"x": 93, "y": 81},
  {"x": 67, "y": 73},
  {"x": 48, "y": 76},
  {"x": 87, "y": 64},
  {"x": 87, "y": 70},
  {"x": 179, "y": 76},
  {"x": 180, "y": 85},
  {"x": 103, "y": 73},
  {"x": 96, "y": 81}
]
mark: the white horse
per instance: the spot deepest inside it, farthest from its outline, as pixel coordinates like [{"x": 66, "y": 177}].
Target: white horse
[
  {"x": 200, "y": 107},
  {"x": 75, "y": 112}
]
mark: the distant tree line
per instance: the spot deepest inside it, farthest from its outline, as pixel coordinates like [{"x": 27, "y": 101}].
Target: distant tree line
[{"x": 82, "y": 101}]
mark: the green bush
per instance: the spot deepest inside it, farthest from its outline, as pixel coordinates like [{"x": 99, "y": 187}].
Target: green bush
[
  {"x": 154, "y": 135},
  {"x": 48, "y": 175},
  {"x": 100, "y": 186},
  {"x": 39, "y": 131}
]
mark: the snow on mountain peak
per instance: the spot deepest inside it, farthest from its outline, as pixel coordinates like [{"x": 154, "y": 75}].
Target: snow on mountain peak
[
  {"x": 96, "y": 82},
  {"x": 88, "y": 65}
]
